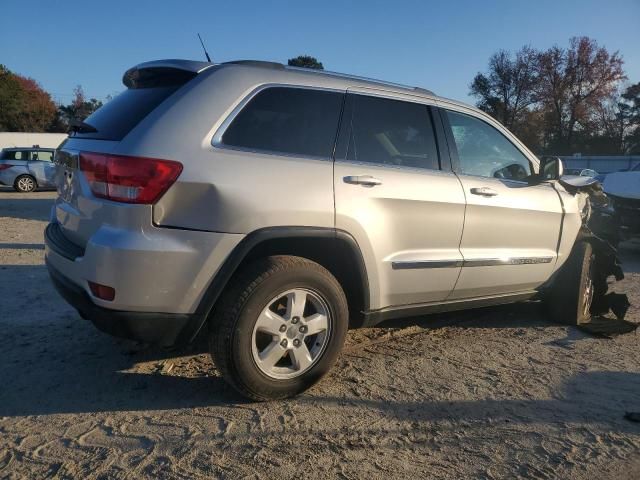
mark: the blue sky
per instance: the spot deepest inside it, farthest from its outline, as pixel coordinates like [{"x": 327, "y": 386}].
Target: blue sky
[{"x": 438, "y": 45}]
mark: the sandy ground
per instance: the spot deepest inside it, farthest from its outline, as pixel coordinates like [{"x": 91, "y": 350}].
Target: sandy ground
[{"x": 491, "y": 393}]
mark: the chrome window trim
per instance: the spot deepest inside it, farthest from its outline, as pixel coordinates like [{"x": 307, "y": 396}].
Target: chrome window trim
[
  {"x": 216, "y": 140},
  {"x": 392, "y": 95},
  {"x": 479, "y": 262}
]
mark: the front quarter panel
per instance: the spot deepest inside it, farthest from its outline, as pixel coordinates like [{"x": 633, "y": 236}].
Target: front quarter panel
[{"x": 571, "y": 224}]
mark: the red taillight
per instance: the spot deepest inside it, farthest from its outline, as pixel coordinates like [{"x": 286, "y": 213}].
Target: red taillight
[
  {"x": 103, "y": 292},
  {"x": 128, "y": 179},
  {"x": 4, "y": 166}
]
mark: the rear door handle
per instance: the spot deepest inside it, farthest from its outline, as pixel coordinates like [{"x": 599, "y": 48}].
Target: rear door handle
[
  {"x": 365, "y": 180},
  {"x": 484, "y": 191}
]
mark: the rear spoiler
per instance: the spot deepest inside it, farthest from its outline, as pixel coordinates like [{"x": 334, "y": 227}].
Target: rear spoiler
[{"x": 163, "y": 73}]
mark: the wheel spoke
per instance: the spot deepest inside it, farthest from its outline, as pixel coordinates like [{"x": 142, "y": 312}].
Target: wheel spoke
[
  {"x": 269, "y": 322},
  {"x": 271, "y": 354},
  {"x": 296, "y": 302},
  {"x": 301, "y": 357},
  {"x": 316, "y": 323}
]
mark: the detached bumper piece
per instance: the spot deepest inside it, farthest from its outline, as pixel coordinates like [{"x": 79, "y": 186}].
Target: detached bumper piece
[{"x": 164, "y": 329}]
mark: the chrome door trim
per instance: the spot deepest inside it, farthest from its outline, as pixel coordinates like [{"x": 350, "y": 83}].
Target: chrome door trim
[
  {"x": 479, "y": 262},
  {"x": 407, "y": 265},
  {"x": 496, "y": 262}
]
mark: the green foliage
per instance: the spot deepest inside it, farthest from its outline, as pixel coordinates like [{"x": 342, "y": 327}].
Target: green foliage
[
  {"x": 305, "y": 61},
  {"x": 24, "y": 105}
]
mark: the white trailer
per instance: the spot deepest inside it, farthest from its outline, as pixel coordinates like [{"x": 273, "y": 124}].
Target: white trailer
[{"x": 27, "y": 139}]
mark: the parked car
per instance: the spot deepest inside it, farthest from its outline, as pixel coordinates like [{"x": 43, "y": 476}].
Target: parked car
[
  {"x": 26, "y": 169},
  {"x": 623, "y": 188},
  {"x": 275, "y": 207},
  {"x": 581, "y": 172}
]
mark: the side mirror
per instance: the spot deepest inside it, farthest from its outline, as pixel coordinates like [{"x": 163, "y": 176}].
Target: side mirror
[{"x": 551, "y": 168}]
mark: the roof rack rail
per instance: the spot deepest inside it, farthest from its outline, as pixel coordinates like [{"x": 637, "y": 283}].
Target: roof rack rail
[
  {"x": 423, "y": 90},
  {"x": 365, "y": 79},
  {"x": 280, "y": 66}
]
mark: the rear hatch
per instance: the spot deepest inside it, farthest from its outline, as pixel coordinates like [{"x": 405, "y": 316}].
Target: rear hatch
[{"x": 99, "y": 185}]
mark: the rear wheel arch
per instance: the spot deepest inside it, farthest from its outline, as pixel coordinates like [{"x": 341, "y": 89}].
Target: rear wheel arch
[{"x": 335, "y": 250}]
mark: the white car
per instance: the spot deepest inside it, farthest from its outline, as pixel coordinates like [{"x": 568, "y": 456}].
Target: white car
[{"x": 624, "y": 190}]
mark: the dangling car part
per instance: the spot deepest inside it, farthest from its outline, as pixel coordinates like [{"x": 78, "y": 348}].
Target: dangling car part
[{"x": 594, "y": 258}]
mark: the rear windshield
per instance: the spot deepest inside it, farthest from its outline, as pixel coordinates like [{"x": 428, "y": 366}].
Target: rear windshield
[{"x": 119, "y": 116}]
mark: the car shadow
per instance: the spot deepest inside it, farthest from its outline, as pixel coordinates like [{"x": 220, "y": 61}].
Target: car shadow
[
  {"x": 600, "y": 397},
  {"x": 529, "y": 314},
  {"x": 22, "y": 246},
  {"x": 17, "y": 206}
]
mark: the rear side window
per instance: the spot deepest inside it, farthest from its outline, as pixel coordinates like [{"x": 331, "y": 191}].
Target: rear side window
[
  {"x": 42, "y": 155},
  {"x": 391, "y": 132},
  {"x": 13, "y": 155},
  {"x": 295, "y": 121},
  {"x": 116, "y": 118}
]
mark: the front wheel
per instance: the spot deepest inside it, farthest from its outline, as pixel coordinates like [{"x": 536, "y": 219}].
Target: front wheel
[
  {"x": 279, "y": 327},
  {"x": 572, "y": 293},
  {"x": 25, "y": 184}
]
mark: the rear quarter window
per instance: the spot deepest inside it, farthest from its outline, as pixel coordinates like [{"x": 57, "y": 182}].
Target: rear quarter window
[
  {"x": 294, "y": 121},
  {"x": 13, "y": 155}
]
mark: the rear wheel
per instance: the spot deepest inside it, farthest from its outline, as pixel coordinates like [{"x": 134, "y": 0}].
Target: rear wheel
[
  {"x": 279, "y": 327},
  {"x": 25, "y": 183},
  {"x": 572, "y": 293}
]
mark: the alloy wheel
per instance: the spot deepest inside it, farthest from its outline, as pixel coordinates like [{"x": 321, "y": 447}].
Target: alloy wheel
[{"x": 291, "y": 333}]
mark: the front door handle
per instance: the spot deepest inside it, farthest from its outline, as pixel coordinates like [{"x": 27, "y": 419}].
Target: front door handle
[
  {"x": 365, "y": 180},
  {"x": 484, "y": 191}
]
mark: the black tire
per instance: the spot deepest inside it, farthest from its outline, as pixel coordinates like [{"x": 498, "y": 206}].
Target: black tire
[
  {"x": 250, "y": 291},
  {"x": 569, "y": 302},
  {"x": 25, "y": 184}
]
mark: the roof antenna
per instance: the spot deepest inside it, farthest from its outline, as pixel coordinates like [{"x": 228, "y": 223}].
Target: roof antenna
[{"x": 204, "y": 48}]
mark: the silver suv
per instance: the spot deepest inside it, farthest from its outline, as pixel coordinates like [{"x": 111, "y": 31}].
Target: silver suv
[{"x": 277, "y": 206}]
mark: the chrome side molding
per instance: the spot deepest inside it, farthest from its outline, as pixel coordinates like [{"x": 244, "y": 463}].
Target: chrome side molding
[
  {"x": 479, "y": 262},
  {"x": 426, "y": 264}
]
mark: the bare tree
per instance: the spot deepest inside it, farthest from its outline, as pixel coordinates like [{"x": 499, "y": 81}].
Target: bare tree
[
  {"x": 507, "y": 89},
  {"x": 572, "y": 85}
]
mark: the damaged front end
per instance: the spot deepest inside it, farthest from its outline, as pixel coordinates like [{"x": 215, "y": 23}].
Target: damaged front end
[{"x": 600, "y": 228}]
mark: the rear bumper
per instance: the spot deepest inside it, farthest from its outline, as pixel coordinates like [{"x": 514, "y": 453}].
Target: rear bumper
[
  {"x": 159, "y": 276},
  {"x": 166, "y": 329}
]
